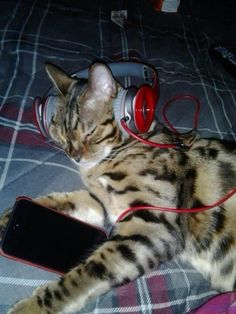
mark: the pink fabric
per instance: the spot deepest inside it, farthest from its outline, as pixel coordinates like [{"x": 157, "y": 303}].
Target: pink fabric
[{"x": 224, "y": 303}]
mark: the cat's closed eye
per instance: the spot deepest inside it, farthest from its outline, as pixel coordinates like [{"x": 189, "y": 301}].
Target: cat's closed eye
[{"x": 91, "y": 131}]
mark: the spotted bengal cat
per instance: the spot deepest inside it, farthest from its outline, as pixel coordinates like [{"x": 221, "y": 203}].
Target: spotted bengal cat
[{"x": 120, "y": 172}]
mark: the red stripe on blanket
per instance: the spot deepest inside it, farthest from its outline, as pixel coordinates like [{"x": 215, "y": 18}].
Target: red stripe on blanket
[
  {"x": 10, "y": 116},
  {"x": 10, "y": 111},
  {"x": 26, "y": 138},
  {"x": 128, "y": 297},
  {"x": 158, "y": 289}
]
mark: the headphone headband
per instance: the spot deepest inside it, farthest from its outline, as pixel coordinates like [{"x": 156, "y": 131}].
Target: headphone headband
[{"x": 142, "y": 71}]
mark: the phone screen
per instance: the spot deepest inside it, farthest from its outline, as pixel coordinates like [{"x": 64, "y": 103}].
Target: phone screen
[{"x": 47, "y": 238}]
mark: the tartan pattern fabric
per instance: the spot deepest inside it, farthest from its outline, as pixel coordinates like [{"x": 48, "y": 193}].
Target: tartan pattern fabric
[{"x": 72, "y": 34}]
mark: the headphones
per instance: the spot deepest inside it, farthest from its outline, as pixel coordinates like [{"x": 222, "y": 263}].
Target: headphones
[{"x": 134, "y": 105}]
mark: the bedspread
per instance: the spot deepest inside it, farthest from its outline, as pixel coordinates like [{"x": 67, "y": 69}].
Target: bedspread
[{"x": 72, "y": 34}]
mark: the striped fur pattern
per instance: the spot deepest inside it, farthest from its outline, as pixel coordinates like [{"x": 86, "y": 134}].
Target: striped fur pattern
[{"x": 120, "y": 172}]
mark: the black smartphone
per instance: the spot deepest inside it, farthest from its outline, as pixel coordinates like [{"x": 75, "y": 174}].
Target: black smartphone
[{"x": 46, "y": 238}]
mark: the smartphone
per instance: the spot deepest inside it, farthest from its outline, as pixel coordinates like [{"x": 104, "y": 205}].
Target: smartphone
[{"x": 46, "y": 238}]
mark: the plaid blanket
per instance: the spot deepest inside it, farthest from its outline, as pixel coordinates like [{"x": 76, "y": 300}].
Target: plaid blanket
[{"x": 72, "y": 34}]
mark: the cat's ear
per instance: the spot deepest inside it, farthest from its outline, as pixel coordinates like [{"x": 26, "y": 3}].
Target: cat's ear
[
  {"x": 61, "y": 80},
  {"x": 102, "y": 82}
]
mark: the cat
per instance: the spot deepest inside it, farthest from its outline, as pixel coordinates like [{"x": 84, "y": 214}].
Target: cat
[{"x": 120, "y": 172}]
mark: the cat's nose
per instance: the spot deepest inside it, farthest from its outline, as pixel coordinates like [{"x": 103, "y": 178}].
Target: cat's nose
[
  {"x": 77, "y": 158},
  {"x": 75, "y": 153}
]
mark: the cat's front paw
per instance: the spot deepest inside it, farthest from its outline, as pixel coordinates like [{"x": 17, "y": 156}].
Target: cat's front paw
[
  {"x": 4, "y": 218},
  {"x": 27, "y": 306},
  {"x": 41, "y": 302}
]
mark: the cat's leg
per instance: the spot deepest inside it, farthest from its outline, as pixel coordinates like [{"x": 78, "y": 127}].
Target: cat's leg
[
  {"x": 80, "y": 204},
  {"x": 137, "y": 245},
  {"x": 3, "y": 221}
]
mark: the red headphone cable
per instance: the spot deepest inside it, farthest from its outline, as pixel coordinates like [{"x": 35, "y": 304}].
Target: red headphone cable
[
  {"x": 177, "y": 145},
  {"x": 176, "y": 98},
  {"x": 177, "y": 210}
]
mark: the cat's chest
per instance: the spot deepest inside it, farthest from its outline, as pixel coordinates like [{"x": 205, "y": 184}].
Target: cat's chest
[
  {"x": 109, "y": 186},
  {"x": 105, "y": 179}
]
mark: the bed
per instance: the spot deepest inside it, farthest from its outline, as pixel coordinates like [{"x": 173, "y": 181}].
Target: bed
[{"x": 72, "y": 34}]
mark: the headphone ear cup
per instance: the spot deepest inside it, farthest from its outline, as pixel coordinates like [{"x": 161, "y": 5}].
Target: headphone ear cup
[
  {"x": 38, "y": 115},
  {"x": 128, "y": 108},
  {"x": 144, "y": 108},
  {"x": 44, "y": 110}
]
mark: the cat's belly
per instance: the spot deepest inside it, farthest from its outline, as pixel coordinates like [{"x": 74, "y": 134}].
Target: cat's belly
[{"x": 221, "y": 274}]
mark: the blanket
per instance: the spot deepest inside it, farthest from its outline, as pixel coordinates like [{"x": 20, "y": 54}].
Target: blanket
[{"x": 72, "y": 34}]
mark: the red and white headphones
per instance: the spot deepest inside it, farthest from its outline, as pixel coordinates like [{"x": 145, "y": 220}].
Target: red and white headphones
[
  {"x": 134, "y": 104},
  {"x": 134, "y": 107}
]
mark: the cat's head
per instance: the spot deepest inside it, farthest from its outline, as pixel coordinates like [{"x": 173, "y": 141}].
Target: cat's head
[{"x": 83, "y": 124}]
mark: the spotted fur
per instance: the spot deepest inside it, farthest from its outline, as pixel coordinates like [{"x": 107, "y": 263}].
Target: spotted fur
[{"x": 120, "y": 172}]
